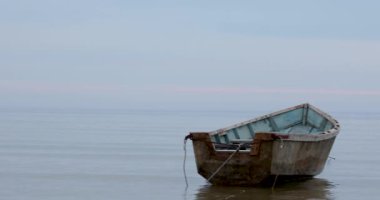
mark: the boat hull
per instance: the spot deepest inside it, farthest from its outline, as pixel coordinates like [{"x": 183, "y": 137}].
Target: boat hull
[
  {"x": 272, "y": 156},
  {"x": 287, "y": 144}
]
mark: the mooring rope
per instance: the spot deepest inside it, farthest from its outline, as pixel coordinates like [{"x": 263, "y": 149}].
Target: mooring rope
[
  {"x": 224, "y": 163},
  {"x": 184, "y": 162},
  {"x": 274, "y": 182}
]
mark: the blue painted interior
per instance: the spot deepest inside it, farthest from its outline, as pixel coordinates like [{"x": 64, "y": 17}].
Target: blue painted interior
[{"x": 302, "y": 120}]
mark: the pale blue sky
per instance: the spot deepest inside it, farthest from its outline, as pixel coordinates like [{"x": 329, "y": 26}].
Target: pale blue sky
[{"x": 189, "y": 54}]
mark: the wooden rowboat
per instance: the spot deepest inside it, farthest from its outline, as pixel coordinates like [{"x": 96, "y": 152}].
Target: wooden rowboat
[{"x": 291, "y": 143}]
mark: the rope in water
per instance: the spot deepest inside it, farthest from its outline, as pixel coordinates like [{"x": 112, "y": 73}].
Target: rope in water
[
  {"x": 274, "y": 182},
  {"x": 224, "y": 163},
  {"x": 184, "y": 162}
]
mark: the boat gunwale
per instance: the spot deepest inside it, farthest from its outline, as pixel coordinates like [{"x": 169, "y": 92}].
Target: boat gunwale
[
  {"x": 325, "y": 115},
  {"x": 332, "y": 132}
]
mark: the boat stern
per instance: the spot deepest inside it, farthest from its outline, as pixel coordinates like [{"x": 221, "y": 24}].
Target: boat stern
[{"x": 300, "y": 157}]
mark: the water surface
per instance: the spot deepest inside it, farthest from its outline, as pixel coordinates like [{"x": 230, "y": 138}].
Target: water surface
[{"x": 138, "y": 154}]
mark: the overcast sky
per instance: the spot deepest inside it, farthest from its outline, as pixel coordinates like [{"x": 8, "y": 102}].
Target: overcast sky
[{"x": 189, "y": 54}]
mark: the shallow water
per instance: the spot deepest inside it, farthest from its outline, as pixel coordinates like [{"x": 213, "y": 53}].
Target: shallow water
[{"x": 138, "y": 154}]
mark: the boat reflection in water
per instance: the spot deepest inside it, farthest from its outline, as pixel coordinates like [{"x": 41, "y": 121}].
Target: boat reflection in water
[{"x": 315, "y": 188}]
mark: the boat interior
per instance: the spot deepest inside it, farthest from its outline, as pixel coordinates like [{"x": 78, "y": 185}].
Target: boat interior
[{"x": 303, "y": 119}]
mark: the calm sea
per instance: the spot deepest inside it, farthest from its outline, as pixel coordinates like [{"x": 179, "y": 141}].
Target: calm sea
[{"x": 138, "y": 154}]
